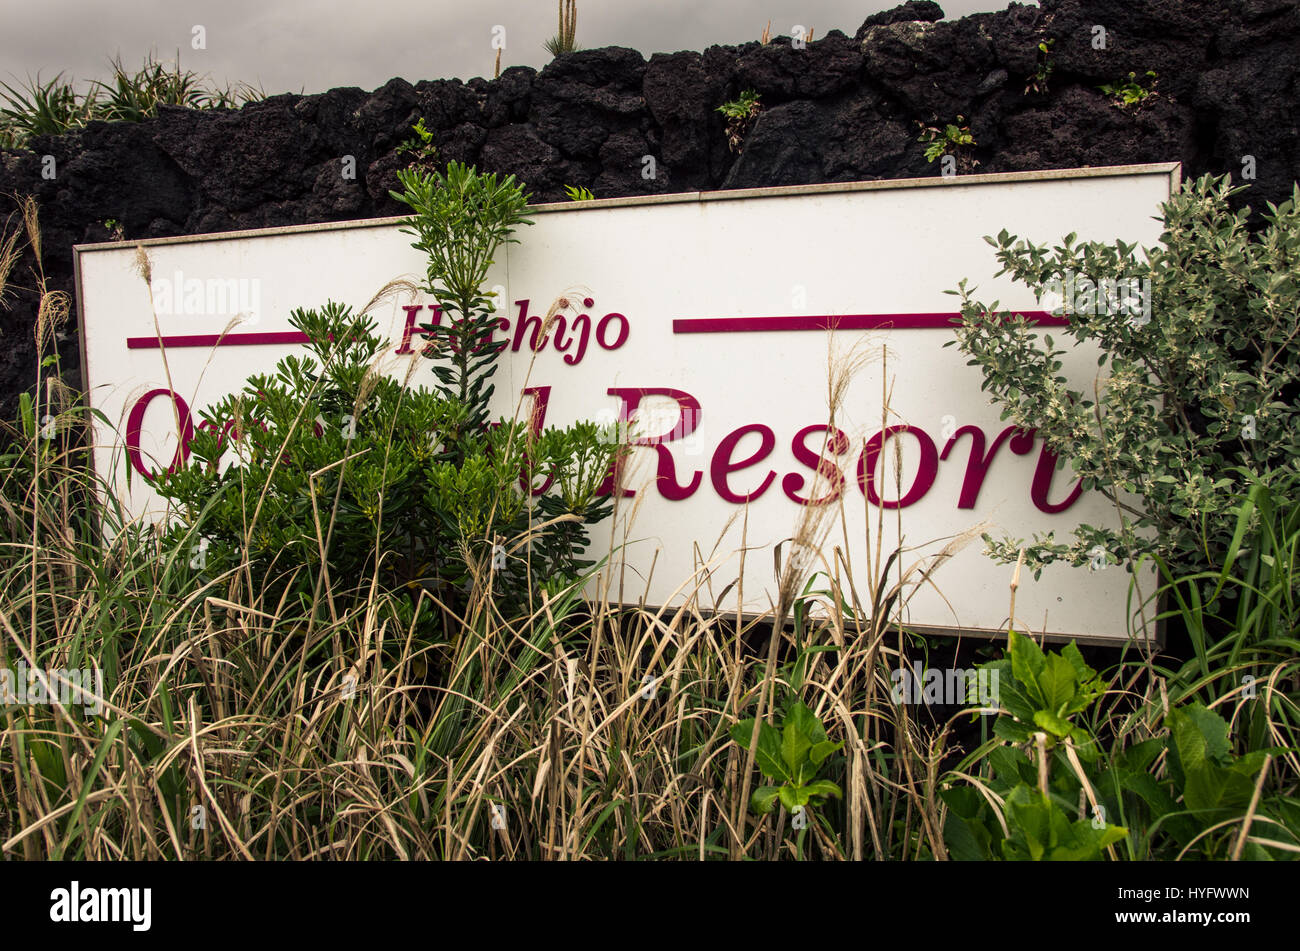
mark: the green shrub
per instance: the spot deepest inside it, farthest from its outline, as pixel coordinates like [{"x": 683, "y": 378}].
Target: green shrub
[
  {"x": 341, "y": 473},
  {"x": 1040, "y": 695},
  {"x": 460, "y": 219},
  {"x": 1076, "y": 768},
  {"x": 1194, "y": 398},
  {"x": 792, "y": 756}
]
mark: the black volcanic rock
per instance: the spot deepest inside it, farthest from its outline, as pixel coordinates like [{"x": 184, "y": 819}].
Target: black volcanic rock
[
  {"x": 801, "y": 143},
  {"x": 518, "y": 150},
  {"x": 682, "y": 96},
  {"x": 925, "y": 11},
  {"x": 780, "y": 71},
  {"x": 934, "y": 69}
]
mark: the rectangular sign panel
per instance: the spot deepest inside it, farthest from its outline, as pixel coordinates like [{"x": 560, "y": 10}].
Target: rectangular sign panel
[{"x": 703, "y": 320}]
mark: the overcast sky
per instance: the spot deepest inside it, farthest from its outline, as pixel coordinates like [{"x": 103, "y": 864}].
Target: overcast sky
[{"x": 313, "y": 45}]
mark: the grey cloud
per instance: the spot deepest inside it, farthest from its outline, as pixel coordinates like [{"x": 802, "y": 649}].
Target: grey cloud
[{"x": 313, "y": 45}]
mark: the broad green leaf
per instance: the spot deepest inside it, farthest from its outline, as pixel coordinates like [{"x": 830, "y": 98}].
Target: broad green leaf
[
  {"x": 763, "y": 799},
  {"x": 806, "y": 721},
  {"x": 1189, "y": 745},
  {"x": 795, "y": 745},
  {"x": 1015, "y": 701},
  {"x": 1027, "y": 663},
  {"x": 1199, "y": 733},
  {"x": 788, "y": 798},
  {"x": 1083, "y": 673},
  {"x": 1013, "y": 731},
  {"x": 1053, "y": 724},
  {"x": 823, "y": 787},
  {"x": 967, "y": 840},
  {"x": 821, "y": 750},
  {"x": 1011, "y": 766},
  {"x": 1212, "y": 788},
  {"x": 963, "y": 801},
  {"x": 1056, "y": 683},
  {"x": 1080, "y": 842},
  {"x": 1110, "y": 835},
  {"x": 768, "y": 752},
  {"x": 1028, "y": 817}
]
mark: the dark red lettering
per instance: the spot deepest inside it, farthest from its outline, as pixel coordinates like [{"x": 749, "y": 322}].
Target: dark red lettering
[
  {"x": 1044, "y": 472},
  {"x": 836, "y": 443},
  {"x": 135, "y": 424},
  {"x": 925, "y": 474},
  {"x": 666, "y": 471},
  {"x": 1022, "y": 443},
  {"x": 722, "y": 465}
]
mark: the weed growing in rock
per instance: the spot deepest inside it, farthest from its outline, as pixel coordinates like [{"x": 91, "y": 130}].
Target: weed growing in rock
[
  {"x": 54, "y": 107},
  {"x": 1043, "y": 72},
  {"x": 1131, "y": 94},
  {"x": 564, "y": 40},
  {"x": 423, "y": 153},
  {"x": 740, "y": 115},
  {"x": 952, "y": 139}
]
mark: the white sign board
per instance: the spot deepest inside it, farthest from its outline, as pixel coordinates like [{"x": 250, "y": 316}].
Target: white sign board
[{"x": 703, "y": 319}]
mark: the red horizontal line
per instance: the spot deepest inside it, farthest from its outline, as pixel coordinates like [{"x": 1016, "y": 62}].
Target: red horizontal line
[
  {"x": 714, "y": 325},
  {"x": 216, "y": 340},
  {"x": 681, "y": 325}
]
